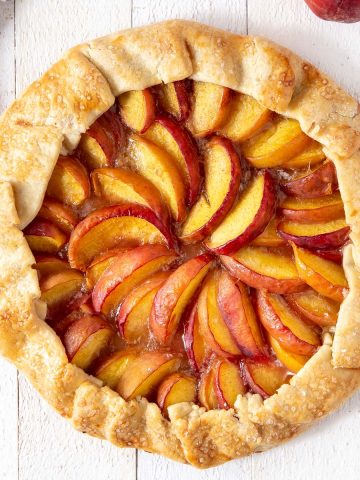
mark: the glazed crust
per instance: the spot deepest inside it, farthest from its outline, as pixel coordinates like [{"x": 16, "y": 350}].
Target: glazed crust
[{"x": 50, "y": 117}]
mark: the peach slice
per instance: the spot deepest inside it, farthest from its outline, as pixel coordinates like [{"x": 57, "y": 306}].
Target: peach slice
[
  {"x": 126, "y": 272},
  {"x": 314, "y": 307},
  {"x": 282, "y": 323},
  {"x": 261, "y": 267},
  {"x": 60, "y": 289},
  {"x": 100, "y": 144},
  {"x": 270, "y": 236},
  {"x": 292, "y": 361},
  {"x": 169, "y": 135},
  {"x": 209, "y": 109},
  {"x": 100, "y": 264},
  {"x": 120, "y": 185},
  {"x": 275, "y": 145},
  {"x": 145, "y": 373},
  {"x": 174, "y": 99},
  {"x": 137, "y": 109},
  {"x": 228, "y": 383},
  {"x": 324, "y": 276},
  {"x": 194, "y": 343},
  {"x": 125, "y": 225},
  {"x": 155, "y": 164},
  {"x": 59, "y": 214},
  {"x": 212, "y": 324},
  {"x": 85, "y": 339},
  {"x": 264, "y": 376},
  {"x": 237, "y": 311},
  {"x": 47, "y": 264},
  {"x": 110, "y": 368},
  {"x": 246, "y": 117},
  {"x": 69, "y": 182},
  {"x": 248, "y": 218},
  {"x": 312, "y": 155},
  {"x": 174, "y": 295},
  {"x": 132, "y": 319},
  {"x": 334, "y": 254},
  {"x": 176, "y": 388},
  {"x": 319, "y": 182},
  {"x": 312, "y": 210},
  {"x": 326, "y": 235},
  {"x": 44, "y": 237},
  {"x": 207, "y": 393},
  {"x": 221, "y": 160}
]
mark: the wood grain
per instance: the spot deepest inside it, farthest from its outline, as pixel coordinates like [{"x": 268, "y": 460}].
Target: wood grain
[{"x": 48, "y": 447}]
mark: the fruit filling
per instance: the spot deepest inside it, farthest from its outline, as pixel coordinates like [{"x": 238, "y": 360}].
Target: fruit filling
[{"x": 190, "y": 249}]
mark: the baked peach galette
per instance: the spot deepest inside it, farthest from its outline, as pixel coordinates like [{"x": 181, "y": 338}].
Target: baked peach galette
[{"x": 192, "y": 250}]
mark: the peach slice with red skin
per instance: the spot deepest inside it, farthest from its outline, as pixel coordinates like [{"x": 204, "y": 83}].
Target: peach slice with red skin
[
  {"x": 264, "y": 376},
  {"x": 326, "y": 235},
  {"x": 110, "y": 368},
  {"x": 228, "y": 383},
  {"x": 314, "y": 307},
  {"x": 59, "y": 214},
  {"x": 120, "y": 185},
  {"x": 287, "y": 327},
  {"x": 210, "y": 107},
  {"x": 312, "y": 155},
  {"x": 222, "y": 160},
  {"x": 86, "y": 338},
  {"x": 292, "y": 361},
  {"x": 334, "y": 254},
  {"x": 324, "y": 276},
  {"x": 100, "y": 264},
  {"x": 317, "y": 183},
  {"x": 174, "y": 99},
  {"x": 44, "y": 237},
  {"x": 247, "y": 219},
  {"x": 194, "y": 343},
  {"x": 174, "y": 295},
  {"x": 145, "y": 373},
  {"x": 48, "y": 264},
  {"x": 134, "y": 313},
  {"x": 212, "y": 323},
  {"x": 246, "y": 117},
  {"x": 69, "y": 182},
  {"x": 137, "y": 109},
  {"x": 275, "y": 145},
  {"x": 206, "y": 389},
  {"x": 237, "y": 311},
  {"x": 100, "y": 144},
  {"x": 176, "y": 388},
  {"x": 312, "y": 210},
  {"x": 270, "y": 236},
  {"x": 155, "y": 164},
  {"x": 172, "y": 137},
  {"x": 260, "y": 267},
  {"x": 115, "y": 226},
  {"x": 60, "y": 290},
  {"x": 126, "y": 272}
]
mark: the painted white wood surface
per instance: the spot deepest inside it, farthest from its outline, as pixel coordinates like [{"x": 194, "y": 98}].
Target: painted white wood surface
[{"x": 34, "y": 442}]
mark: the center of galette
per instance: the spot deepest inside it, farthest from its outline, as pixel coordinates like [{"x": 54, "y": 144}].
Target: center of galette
[{"x": 190, "y": 249}]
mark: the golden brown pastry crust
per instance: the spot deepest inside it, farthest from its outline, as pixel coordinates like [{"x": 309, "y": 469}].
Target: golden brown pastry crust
[{"x": 50, "y": 116}]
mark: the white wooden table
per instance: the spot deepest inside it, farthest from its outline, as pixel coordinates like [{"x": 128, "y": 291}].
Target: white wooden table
[{"x": 36, "y": 444}]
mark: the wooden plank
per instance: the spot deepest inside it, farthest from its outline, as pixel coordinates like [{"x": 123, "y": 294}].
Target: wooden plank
[
  {"x": 231, "y": 15},
  {"x": 48, "y": 446},
  {"x": 8, "y": 374},
  {"x": 329, "y": 449}
]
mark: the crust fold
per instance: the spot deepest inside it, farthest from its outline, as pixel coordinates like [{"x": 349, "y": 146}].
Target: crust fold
[{"x": 51, "y": 114}]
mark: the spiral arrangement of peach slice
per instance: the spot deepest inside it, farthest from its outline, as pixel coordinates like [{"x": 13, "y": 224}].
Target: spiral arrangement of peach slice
[{"x": 190, "y": 249}]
